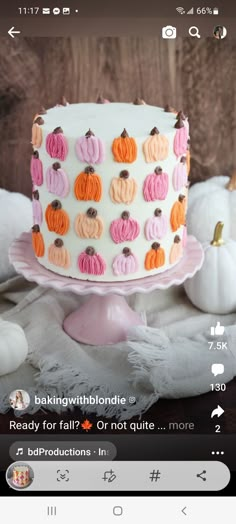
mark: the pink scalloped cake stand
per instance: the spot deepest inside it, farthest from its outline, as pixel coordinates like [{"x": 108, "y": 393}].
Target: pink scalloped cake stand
[{"x": 106, "y": 317}]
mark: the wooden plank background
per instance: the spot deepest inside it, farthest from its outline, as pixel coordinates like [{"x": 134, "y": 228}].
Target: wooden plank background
[{"x": 196, "y": 75}]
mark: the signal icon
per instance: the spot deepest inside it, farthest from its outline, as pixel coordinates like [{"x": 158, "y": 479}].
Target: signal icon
[
  {"x": 191, "y": 11},
  {"x": 180, "y": 10}
]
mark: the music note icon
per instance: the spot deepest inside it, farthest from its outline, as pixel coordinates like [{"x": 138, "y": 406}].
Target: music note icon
[{"x": 20, "y": 451}]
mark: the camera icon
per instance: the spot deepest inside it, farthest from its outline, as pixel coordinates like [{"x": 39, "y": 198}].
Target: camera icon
[{"x": 169, "y": 32}]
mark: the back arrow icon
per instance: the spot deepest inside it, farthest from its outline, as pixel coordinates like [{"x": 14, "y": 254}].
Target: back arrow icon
[
  {"x": 12, "y": 32},
  {"x": 184, "y": 510}
]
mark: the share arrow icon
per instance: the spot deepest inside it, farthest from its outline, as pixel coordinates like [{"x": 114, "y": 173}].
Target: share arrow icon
[{"x": 217, "y": 412}]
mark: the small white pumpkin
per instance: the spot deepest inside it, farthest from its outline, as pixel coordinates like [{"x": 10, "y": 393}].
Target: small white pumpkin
[
  {"x": 209, "y": 202},
  {"x": 13, "y": 347},
  {"x": 213, "y": 289}
]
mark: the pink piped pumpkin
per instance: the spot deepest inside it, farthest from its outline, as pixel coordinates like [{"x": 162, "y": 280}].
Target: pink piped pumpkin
[
  {"x": 90, "y": 148},
  {"x": 91, "y": 262},
  {"x": 124, "y": 228},
  {"x": 156, "y": 185},
  {"x": 36, "y": 169},
  {"x": 57, "y": 180},
  {"x": 180, "y": 175},
  {"x": 37, "y": 209},
  {"x": 125, "y": 263},
  {"x": 156, "y": 226},
  {"x": 181, "y": 138},
  {"x": 56, "y": 144},
  {"x": 176, "y": 251}
]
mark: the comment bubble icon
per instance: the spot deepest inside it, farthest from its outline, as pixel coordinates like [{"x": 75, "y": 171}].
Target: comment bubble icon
[{"x": 217, "y": 369}]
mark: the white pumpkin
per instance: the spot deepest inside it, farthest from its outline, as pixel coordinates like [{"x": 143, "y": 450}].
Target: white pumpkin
[
  {"x": 13, "y": 347},
  {"x": 209, "y": 202},
  {"x": 212, "y": 289}
]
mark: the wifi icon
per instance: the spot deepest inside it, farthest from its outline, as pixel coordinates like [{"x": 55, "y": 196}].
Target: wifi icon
[{"x": 180, "y": 10}]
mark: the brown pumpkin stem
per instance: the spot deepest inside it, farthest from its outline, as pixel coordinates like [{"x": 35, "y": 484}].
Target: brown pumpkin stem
[
  {"x": 155, "y": 246},
  {"x": 126, "y": 251},
  {"x": 139, "y": 102},
  {"x": 169, "y": 109},
  {"x": 154, "y": 131},
  {"x": 100, "y": 100},
  {"x": 35, "y": 154},
  {"x": 58, "y": 242},
  {"x": 36, "y": 195},
  {"x": 89, "y": 133},
  {"x": 124, "y": 134},
  {"x": 124, "y": 174},
  {"x": 158, "y": 170},
  {"x": 57, "y": 130},
  {"x": 157, "y": 212},
  {"x": 180, "y": 115},
  {"x": 90, "y": 251},
  {"x": 179, "y": 124},
  {"x": 36, "y": 228},
  {"x": 88, "y": 170},
  {"x": 91, "y": 212},
  {"x": 56, "y": 165},
  {"x": 183, "y": 160},
  {"x": 39, "y": 120},
  {"x": 177, "y": 239},
  {"x": 56, "y": 204},
  {"x": 217, "y": 238},
  {"x": 231, "y": 185},
  {"x": 181, "y": 198},
  {"x": 125, "y": 215},
  {"x": 63, "y": 101}
]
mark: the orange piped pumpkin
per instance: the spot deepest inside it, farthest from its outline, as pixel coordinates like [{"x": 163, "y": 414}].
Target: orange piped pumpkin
[
  {"x": 57, "y": 219},
  {"x": 88, "y": 185},
  {"x": 37, "y": 241},
  {"x": 124, "y": 148},
  {"x": 177, "y": 215},
  {"x": 155, "y": 257}
]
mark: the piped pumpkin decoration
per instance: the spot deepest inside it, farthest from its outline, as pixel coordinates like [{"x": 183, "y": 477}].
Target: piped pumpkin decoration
[
  {"x": 36, "y": 169},
  {"x": 212, "y": 288},
  {"x": 156, "y": 185},
  {"x": 58, "y": 255},
  {"x": 37, "y": 134},
  {"x": 37, "y": 208},
  {"x": 156, "y": 147},
  {"x": 56, "y": 144},
  {"x": 37, "y": 241},
  {"x": 181, "y": 138},
  {"x": 91, "y": 262},
  {"x": 155, "y": 257},
  {"x": 57, "y": 180},
  {"x": 123, "y": 189},
  {"x": 57, "y": 219},
  {"x": 180, "y": 175},
  {"x": 124, "y": 228},
  {"x": 90, "y": 148},
  {"x": 156, "y": 226},
  {"x": 210, "y": 200},
  {"x": 88, "y": 185},
  {"x": 89, "y": 224},
  {"x": 176, "y": 251},
  {"x": 125, "y": 263},
  {"x": 124, "y": 148},
  {"x": 177, "y": 215},
  {"x": 188, "y": 158}
]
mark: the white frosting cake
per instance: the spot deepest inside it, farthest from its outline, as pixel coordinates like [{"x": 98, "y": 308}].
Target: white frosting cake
[{"x": 116, "y": 176}]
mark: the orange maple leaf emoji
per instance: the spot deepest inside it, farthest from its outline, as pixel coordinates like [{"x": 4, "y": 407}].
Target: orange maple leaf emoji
[{"x": 86, "y": 425}]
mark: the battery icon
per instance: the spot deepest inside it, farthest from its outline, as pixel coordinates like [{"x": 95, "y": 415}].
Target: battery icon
[{"x": 215, "y": 11}]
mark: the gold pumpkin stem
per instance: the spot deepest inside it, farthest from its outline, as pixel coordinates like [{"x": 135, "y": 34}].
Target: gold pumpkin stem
[
  {"x": 231, "y": 186},
  {"x": 217, "y": 238}
]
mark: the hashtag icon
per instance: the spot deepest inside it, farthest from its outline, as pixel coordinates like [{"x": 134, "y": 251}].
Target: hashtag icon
[{"x": 155, "y": 475}]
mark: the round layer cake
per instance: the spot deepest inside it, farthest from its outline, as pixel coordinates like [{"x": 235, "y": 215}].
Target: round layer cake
[
  {"x": 109, "y": 190},
  {"x": 21, "y": 476}
]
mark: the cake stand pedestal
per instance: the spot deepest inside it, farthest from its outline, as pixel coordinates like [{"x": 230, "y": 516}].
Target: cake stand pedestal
[{"x": 106, "y": 317}]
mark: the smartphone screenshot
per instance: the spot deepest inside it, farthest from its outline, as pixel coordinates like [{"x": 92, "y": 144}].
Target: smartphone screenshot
[{"x": 117, "y": 262}]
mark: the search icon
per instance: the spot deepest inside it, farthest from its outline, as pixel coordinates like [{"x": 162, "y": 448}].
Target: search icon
[{"x": 194, "y": 31}]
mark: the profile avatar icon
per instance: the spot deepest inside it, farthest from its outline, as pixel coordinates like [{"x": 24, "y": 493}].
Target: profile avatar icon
[
  {"x": 19, "y": 399},
  {"x": 19, "y": 475},
  {"x": 220, "y": 32}
]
